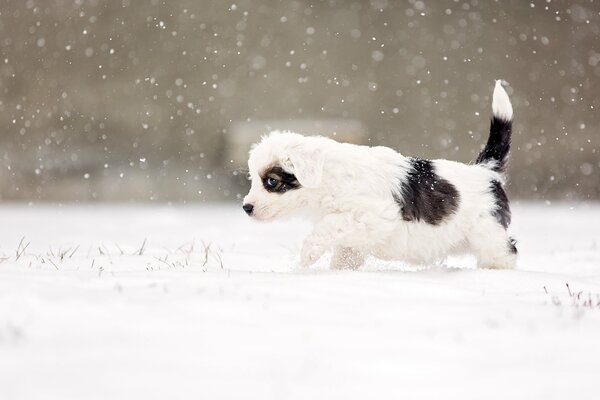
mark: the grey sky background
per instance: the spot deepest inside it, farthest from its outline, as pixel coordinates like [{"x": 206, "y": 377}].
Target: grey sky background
[{"x": 147, "y": 100}]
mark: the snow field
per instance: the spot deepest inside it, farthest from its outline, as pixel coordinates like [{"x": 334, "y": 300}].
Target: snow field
[{"x": 157, "y": 302}]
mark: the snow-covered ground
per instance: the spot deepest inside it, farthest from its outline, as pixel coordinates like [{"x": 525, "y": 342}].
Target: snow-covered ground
[{"x": 157, "y": 302}]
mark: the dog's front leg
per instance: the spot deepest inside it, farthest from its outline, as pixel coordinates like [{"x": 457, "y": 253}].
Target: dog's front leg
[
  {"x": 312, "y": 250},
  {"x": 332, "y": 230}
]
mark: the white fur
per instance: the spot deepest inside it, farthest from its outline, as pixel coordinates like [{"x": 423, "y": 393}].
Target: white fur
[
  {"x": 501, "y": 106},
  {"x": 347, "y": 190}
]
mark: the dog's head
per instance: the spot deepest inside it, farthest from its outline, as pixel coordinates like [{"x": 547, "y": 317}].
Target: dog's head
[{"x": 286, "y": 170}]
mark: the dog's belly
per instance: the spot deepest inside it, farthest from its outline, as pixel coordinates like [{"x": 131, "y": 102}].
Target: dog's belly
[{"x": 421, "y": 243}]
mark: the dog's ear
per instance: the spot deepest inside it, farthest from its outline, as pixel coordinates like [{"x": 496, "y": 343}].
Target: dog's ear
[{"x": 305, "y": 161}]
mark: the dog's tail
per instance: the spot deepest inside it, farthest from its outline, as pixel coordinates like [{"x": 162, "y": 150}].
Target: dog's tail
[{"x": 495, "y": 153}]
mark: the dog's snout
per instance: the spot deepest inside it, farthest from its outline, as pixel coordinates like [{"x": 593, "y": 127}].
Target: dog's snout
[{"x": 248, "y": 208}]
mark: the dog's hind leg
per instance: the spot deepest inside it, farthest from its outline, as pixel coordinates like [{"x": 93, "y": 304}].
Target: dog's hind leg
[
  {"x": 346, "y": 258},
  {"x": 492, "y": 246}
]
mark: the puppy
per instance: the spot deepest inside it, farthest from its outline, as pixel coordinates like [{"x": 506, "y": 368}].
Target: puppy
[{"x": 376, "y": 201}]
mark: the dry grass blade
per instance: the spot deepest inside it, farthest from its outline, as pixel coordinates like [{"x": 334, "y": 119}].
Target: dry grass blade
[
  {"x": 189, "y": 250},
  {"x": 62, "y": 254},
  {"x": 73, "y": 252},
  {"x": 21, "y": 248},
  {"x": 219, "y": 259},
  {"x": 120, "y": 249},
  {"x": 52, "y": 262},
  {"x": 163, "y": 260},
  {"x": 206, "y": 252},
  {"x": 141, "y": 250}
]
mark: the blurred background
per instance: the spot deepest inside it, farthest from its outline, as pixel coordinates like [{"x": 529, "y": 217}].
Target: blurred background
[{"x": 152, "y": 100}]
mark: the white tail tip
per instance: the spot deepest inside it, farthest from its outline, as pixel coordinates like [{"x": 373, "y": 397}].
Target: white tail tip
[{"x": 501, "y": 106}]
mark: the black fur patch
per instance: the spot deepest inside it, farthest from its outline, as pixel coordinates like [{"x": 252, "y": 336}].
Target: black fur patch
[
  {"x": 498, "y": 144},
  {"x": 502, "y": 210},
  {"x": 425, "y": 195},
  {"x": 284, "y": 181},
  {"x": 512, "y": 245}
]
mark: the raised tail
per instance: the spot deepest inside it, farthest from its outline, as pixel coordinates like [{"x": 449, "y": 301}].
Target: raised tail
[{"x": 495, "y": 153}]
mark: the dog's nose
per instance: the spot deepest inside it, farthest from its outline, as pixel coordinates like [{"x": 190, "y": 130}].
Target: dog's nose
[{"x": 248, "y": 208}]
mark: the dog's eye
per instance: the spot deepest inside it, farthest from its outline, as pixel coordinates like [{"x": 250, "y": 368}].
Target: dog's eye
[{"x": 271, "y": 183}]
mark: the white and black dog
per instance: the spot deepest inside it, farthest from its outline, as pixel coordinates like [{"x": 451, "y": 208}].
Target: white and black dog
[{"x": 376, "y": 201}]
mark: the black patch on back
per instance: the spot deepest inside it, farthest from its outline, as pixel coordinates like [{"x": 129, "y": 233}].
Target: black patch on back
[
  {"x": 502, "y": 210},
  {"x": 285, "y": 181},
  {"x": 425, "y": 195}
]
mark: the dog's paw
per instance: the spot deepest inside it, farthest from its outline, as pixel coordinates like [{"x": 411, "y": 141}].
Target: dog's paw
[
  {"x": 310, "y": 253},
  {"x": 346, "y": 258}
]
